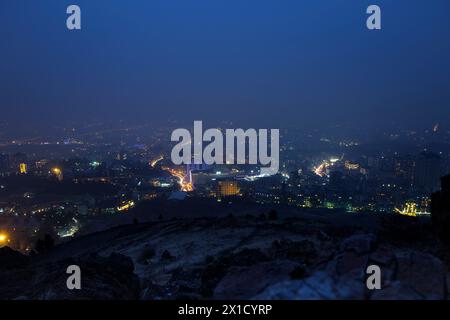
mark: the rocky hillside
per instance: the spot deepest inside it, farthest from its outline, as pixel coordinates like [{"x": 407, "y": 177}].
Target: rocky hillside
[{"x": 309, "y": 256}]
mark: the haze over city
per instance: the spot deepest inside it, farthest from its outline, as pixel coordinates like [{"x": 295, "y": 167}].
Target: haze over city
[{"x": 258, "y": 63}]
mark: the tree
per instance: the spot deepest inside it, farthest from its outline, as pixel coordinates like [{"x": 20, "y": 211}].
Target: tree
[
  {"x": 44, "y": 245},
  {"x": 273, "y": 214}
]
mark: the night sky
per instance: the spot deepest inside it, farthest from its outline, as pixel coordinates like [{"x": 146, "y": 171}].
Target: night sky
[{"x": 257, "y": 62}]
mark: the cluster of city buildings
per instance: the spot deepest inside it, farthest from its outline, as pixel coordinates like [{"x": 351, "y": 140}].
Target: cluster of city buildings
[{"x": 60, "y": 193}]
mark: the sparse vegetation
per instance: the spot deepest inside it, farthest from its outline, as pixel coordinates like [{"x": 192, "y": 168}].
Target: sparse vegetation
[
  {"x": 146, "y": 254},
  {"x": 166, "y": 255}
]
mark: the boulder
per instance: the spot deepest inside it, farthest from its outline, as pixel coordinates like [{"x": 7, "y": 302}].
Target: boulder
[
  {"x": 396, "y": 291},
  {"x": 11, "y": 259},
  {"x": 319, "y": 286},
  {"x": 422, "y": 272},
  {"x": 102, "y": 278},
  {"x": 246, "y": 282},
  {"x": 360, "y": 243}
]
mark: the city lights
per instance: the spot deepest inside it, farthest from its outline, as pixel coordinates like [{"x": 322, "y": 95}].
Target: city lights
[
  {"x": 58, "y": 173},
  {"x": 180, "y": 176},
  {"x": 126, "y": 206},
  {"x": 155, "y": 161},
  {"x": 23, "y": 169}
]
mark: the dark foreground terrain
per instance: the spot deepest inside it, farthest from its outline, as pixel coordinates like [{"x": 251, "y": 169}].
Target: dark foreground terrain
[{"x": 271, "y": 256}]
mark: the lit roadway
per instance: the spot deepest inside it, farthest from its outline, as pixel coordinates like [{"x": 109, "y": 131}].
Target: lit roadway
[
  {"x": 179, "y": 174},
  {"x": 155, "y": 161},
  {"x": 321, "y": 169}
]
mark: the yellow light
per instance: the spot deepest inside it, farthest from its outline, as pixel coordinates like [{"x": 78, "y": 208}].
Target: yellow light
[
  {"x": 3, "y": 238},
  {"x": 126, "y": 206},
  {"x": 410, "y": 209},
  {"x": 58, "y": 173},
  {"x": 154, "y": 162},
  {"x": 23, "y": 168},
  {"x": 180, "y": 175}
]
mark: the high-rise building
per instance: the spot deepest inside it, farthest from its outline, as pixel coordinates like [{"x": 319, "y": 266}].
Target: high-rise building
[
  {"x": 440, "y": 210},
  {"x": 200, "y": 178},
  {"x": 428, "y": 172},
  {"x": 4, "y": 163},
  {"x": 18, "y": 158},
  {"x": 404, "y": 167},
  {"x": 227, "y": 188},
  {"x": 191, "y": 168},
  {"x": 351, "y": 165}
]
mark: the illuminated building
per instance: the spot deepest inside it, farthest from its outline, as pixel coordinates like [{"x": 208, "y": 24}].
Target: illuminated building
[
  {"x": 351, "y": 166},
  {"x": 150, "y": 196},
  {"x": 23, "y": 168},
  {"x": 404, "y": 168},
  {"x": 412, "y": 209},
  {"x": 201, "y": 178},
  {"x": 424, "y": 205},
  {"x": 41, "y": 163},
  {"x": 92, "y": 180},
  {"x": 126, "y": 206},
  {"x": 226, "y": 188},
  {"x": 191, "y": 168},
  {"x": 307, "y": 203}
]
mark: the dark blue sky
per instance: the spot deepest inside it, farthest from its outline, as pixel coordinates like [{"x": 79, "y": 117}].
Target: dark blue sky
[{"x": 258, "y": 62}]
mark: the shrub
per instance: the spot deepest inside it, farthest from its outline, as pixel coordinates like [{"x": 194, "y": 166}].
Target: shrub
[
  {"x": 273, "y": 215},
  {"x": 146, "y": 254}
]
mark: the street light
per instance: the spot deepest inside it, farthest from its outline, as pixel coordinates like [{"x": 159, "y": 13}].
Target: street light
[{"x": 3, "y": 238}]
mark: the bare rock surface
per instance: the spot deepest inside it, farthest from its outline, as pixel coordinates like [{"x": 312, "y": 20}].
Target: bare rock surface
[{"x": 306, "y": 256}]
